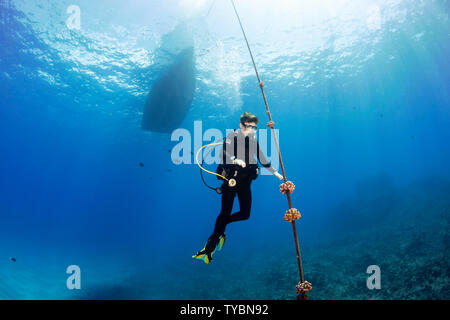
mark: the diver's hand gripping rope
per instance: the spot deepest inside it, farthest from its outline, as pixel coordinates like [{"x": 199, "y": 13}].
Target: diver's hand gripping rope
[{"x": 231, "y": 182}]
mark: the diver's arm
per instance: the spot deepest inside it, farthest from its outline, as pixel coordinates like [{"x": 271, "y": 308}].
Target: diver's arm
[
  {"x": 228, "y": 149},
  {"x": 265, "y": 163}
]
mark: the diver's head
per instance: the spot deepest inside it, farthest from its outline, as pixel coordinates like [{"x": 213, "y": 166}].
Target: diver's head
[{"x": 248, "y": 123}]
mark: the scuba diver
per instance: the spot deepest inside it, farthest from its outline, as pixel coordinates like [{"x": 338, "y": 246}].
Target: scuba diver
[{"x": 238, "y": 163}]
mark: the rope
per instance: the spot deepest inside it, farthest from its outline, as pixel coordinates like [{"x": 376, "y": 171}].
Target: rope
[
  {"x": 210, "y": 8},
  {"x": 271, "y": 126}
]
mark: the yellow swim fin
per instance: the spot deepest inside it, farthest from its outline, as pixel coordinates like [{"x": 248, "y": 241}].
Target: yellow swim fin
[
  {"x": 221, "y": 242},
  {"x": 202, "y": 255},
  {"x": 214, "y": 242}
]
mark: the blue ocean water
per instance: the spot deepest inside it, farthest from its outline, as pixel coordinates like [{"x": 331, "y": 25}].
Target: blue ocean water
[{"x": 359, "y": 91}]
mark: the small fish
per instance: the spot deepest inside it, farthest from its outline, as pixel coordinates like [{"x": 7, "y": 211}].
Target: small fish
[
  {"x": 141, "y": 164},
  {"x": 412, "y": 137},
  {"x": 13, "y": 259},
  {"x": 170, "y": 150},
  {"x": 169, "y": 170},
  {"x": 150, "y": 178}
]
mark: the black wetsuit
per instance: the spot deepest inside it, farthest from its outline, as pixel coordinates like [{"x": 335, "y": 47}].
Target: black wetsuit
[{"x": 244, "y": 148}]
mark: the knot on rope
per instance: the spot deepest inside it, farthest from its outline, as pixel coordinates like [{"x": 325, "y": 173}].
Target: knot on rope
[
  {"x": 270, "y": 124},
  {"x": 287, "y": 187},
  {"x": 292, "y": 215},
  {"x": 303, "y": 287},
  {"x": 261, "y": 84}
]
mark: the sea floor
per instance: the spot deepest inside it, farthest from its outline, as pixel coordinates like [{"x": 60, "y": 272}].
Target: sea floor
[{"x": 410, "y": 245}]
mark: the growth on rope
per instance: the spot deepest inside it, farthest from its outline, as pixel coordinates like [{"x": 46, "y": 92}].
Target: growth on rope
[
  {"x": 303, "y": 287},
  {"x": 291, "y": 215},
  {"x": 287, "y": 187}
]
